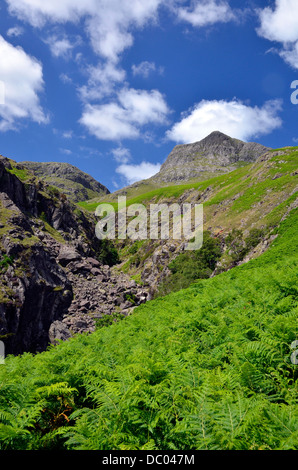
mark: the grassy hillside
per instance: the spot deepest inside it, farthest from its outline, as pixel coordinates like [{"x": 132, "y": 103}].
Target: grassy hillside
[
  {"x": 266, "y": 181},
  {"x": 253, "y": 197},
  {"x": 208, "y": 367}
]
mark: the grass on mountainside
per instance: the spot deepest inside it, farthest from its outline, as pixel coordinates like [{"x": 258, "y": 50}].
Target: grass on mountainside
[
  {"x": 22, "y": 174},
  {"x": 208, "y": 367},
  {"x": 234, "y": 196}
]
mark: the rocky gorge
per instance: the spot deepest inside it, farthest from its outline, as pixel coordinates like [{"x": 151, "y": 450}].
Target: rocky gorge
[
  {"x": 52, "y": 284},
  {"x": 57, "y": 279}
]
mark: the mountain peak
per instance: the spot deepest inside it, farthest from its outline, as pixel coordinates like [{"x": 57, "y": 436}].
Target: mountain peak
[
  {"x": 216, "y": 136},
  {"x": 212, "y": 156}
]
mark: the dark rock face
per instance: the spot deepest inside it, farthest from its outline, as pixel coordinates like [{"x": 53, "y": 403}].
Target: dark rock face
[
  {"x": 40, "y": 297},
  {"x": 214, "y": 155},
  {"x": 51, "y": 284}
]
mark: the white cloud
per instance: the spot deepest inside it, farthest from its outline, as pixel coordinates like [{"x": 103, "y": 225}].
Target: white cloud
[
  {"x": 23, "y": 81},
  {"x": 145, "y": 68},
  {"x": 38, "y": 12},
  {"x": 290, "y": 55},
  {"x": 15, "y": 31},
  {"x": 61, "y": 45},
  {"x": 134, "y": 173},
  {"x": 124, "y": 119},
  {"x": 66, "y": 151},
  {"x": 101, "y": 81},
  {"x": 65, "y": 78},
  {"x": 108, "y": 122},
  {"x": 233, "y": 118},
  {"x": 110, "y": 29},
  {"x": 121, "y": 154},
  {"x": 109, "y": 23},
  {"x": 206, "y": 12},
  {"x": 67, "y": 134},
  {"x": 143, "y": 107},
  {"x": 280, "y": 24}
]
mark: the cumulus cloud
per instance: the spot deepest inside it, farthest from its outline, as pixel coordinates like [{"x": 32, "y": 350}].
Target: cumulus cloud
[
  {"x": 290, "y": 54},
  {"x": 23, "y": 82},
  {"x": 109, "y": 23},
  {"x": 101, "y": 81},
  {"x": 108, "y": 122},
  {"x": 206, "y": 12},
  {"x": 124, "y": 118},
  {"x": 233, "y": 118},
  {"x": 280, "y": 24},
  {"x": 143, "y": 106},
  {"x": 134, "y": 173},
  {"x": 38, "y": 12}
]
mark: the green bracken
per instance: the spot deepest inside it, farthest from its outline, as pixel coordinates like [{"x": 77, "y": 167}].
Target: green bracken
[{"x": 208, "y": 367}]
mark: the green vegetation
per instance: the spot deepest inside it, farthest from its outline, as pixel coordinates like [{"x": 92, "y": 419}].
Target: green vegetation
[
  {"x": 107, "y": 320},
  {"x": 20, "y": 173},
  {"x": 208, "y": 367},
  {"x": 5, "y": 262},
  {"x": 192, "y": 265},
  {"x": 108, "y": 254},
  {"x": 257, "y": 194}
]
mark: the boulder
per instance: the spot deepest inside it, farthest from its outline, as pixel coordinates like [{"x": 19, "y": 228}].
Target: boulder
[
  {"x": 67, "y": 254},
  {"x": 58, "y": 332}
]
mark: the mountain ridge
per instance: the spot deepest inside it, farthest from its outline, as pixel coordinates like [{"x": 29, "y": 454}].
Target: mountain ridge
[
  {"x": 217, "y": 153},
  {"x": 69, "y": 179},
  {"x": 212, "y": 156}
]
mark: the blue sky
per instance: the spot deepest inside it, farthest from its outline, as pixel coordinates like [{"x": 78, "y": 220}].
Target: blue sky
[{"x": 111, "y": 86}]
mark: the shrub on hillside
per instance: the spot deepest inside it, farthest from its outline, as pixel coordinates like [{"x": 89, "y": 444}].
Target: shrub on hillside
[{"x": 192, "y": 265}]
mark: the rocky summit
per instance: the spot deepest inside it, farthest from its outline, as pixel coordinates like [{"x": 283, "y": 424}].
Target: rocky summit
[{"x": 214, "y": 155}]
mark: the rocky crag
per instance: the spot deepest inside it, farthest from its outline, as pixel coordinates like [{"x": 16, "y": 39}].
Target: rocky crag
[
  {"x": 49, "y": 266},
  {"x": 214, "y": 155},
  {"x": 74, "y": 183},
  {"x": 255, "y": 196}
]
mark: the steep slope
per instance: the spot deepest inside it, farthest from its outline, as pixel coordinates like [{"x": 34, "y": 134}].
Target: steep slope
[
  {"x": 212, "y": 156},
  {"x": 253, "y": 197},
  {"x": 215, "y": 155},
  {"x": 52, "y": 266},
  {"x": 209, "y": 368},
  {"x": 74, "y": 183},
  {"x": 54, "y": 275}
]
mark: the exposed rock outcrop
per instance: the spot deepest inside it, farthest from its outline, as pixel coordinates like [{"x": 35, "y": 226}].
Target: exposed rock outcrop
[
  {"x": 74, "y": 183},
  {"x": 52, "y": 285},
  {"x": 214, "y": 155}
]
